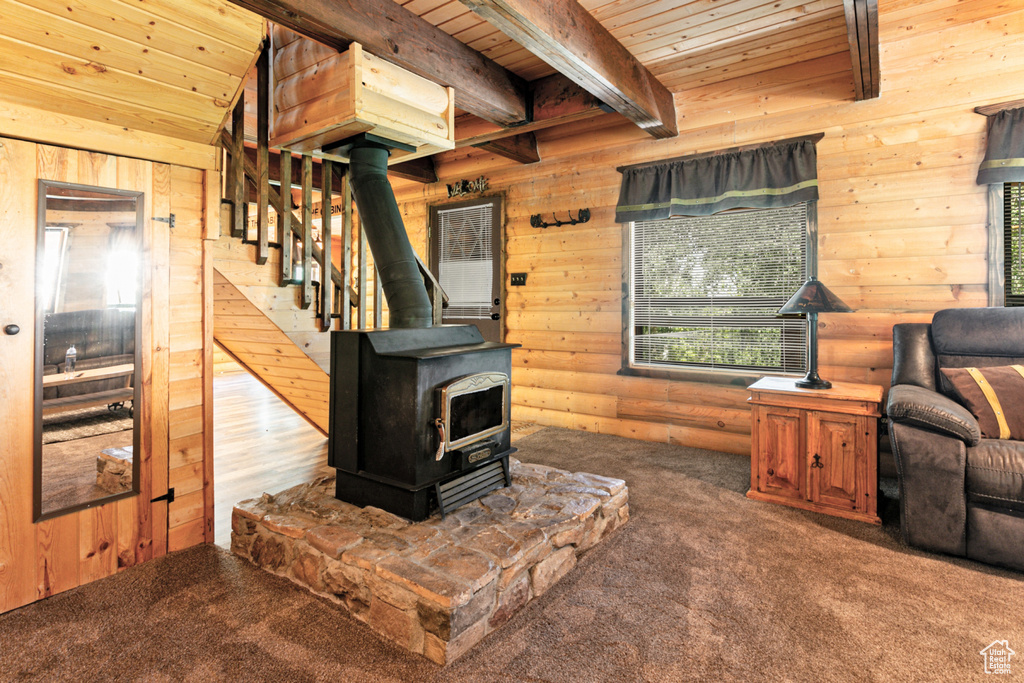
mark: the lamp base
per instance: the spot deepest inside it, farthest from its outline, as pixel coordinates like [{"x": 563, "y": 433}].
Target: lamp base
[{"x": 813, "y": 383}]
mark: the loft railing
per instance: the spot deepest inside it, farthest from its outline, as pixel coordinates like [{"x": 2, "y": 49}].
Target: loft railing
[{"x": 248, "y": 181}]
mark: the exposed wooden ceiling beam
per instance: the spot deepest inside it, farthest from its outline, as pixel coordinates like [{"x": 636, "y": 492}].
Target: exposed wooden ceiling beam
[
  {"x": 422, "y": 170},
  {"x": 862, "y": 31},
  {"x": 521, "y": 148},
  {"x": 391, "y": 32},
  {"x": 569, "y": 38},
  {"x": 555, "y": 100}
]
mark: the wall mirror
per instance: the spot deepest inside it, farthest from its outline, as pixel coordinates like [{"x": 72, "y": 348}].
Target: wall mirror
[{"x": 87, "y": 366}]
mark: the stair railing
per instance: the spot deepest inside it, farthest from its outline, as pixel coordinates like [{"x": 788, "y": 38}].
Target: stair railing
[{"x": 329, "y": 296}]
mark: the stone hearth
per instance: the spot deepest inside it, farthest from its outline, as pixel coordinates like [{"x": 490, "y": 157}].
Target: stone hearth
[
  {"x": 435, "y": 587},
  {"x": 114, "y": 469}
]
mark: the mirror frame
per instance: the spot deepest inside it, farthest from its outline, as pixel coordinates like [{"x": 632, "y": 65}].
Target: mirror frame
[{"x": 40, "y": 314}]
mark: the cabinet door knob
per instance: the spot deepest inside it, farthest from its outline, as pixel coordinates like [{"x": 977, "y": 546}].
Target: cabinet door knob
[
  {"x": 12, "y": 329},
  {"x": 817, "y": 462},
  {"x": 771, "y": 472}
]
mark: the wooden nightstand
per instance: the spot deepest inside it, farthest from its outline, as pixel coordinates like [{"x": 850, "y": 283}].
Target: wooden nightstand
[{"x": 816, "y": 449}]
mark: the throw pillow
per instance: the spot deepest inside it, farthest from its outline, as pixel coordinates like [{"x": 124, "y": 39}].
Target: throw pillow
[{"x": 994, "y": 395}]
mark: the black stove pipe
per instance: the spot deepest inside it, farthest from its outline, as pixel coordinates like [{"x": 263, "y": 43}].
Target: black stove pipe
[{"x": 400, "y": 275}]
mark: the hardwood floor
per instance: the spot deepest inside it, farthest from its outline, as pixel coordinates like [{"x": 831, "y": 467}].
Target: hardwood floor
[{"x": 260, "y": 445}]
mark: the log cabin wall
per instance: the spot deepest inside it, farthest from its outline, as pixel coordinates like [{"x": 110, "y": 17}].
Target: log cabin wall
[{"x": 901, "y": 221}]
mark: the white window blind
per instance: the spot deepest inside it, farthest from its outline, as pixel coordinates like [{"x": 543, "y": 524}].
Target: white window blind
[
  {"x": 705, "y": 290},
  {"x": 465, "y": 265},
  {"x": 1013, "y": 243}
]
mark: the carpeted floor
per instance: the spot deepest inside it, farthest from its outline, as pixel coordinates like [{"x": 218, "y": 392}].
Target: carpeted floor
[{"x": 701, "y": 584}]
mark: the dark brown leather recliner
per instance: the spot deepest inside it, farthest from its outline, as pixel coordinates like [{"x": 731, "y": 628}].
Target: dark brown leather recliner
[{"x": 959, "y": 493}]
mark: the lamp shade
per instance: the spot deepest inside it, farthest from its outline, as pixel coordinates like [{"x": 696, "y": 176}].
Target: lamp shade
[{"x": 814, "y": 297}]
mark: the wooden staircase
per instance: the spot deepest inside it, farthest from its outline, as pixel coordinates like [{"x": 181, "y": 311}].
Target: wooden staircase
[
  {"x": 272, "y": 302},
  {"x": 257, "y": 344}
]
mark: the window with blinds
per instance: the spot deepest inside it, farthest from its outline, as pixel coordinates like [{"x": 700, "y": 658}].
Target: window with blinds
[
  {"x": 465, "y": 260},
  {"x": 705, "y": 291},
  {"x": 1013, "y": 243}
]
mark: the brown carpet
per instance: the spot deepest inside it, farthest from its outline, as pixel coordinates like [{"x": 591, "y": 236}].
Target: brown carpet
[{"x": 701, "y": 584}]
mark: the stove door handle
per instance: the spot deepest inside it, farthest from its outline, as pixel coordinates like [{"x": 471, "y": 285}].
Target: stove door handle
[{"x": 439, "y": 423}]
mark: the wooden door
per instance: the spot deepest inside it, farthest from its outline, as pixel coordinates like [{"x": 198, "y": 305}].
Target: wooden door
[
  {"x": 837, "y": 476},
  {"x": 466, "y": 257},
  {"x": 780, "y": 443},
  {"x": 38, "y": 559}
]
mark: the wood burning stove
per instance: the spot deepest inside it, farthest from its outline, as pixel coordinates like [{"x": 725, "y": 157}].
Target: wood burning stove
[
  {"x": 420, "y": 417},
  {"x": 419, "y": 414}
]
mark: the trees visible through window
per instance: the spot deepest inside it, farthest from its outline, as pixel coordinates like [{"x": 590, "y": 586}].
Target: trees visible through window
[
  {"x": 705, "y": 291},
  {"x": 1013, "y": 243}
]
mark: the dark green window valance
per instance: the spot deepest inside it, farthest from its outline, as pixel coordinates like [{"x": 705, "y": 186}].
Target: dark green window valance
[
  {"x": 765, "y": 177},
  {"x": 1004, "y": 154}
]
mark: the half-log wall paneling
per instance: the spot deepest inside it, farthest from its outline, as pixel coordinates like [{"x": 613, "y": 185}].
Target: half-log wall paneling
[
  {"x": 41, "y": 559},
  {"x": 901, "y": 220}
]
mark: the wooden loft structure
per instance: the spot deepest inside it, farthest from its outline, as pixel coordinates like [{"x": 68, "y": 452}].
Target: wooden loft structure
[
  {"x": 515, "y": 70},
  {"x": 550, "y": 98}
]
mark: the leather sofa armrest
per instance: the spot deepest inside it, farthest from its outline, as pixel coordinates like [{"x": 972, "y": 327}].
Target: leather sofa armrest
[
  {"x": 928, "y": 409},
  {"x": 932, "y": 470}
]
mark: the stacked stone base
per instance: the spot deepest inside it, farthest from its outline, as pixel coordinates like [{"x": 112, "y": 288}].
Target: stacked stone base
[{"x": 435, "y": 587}]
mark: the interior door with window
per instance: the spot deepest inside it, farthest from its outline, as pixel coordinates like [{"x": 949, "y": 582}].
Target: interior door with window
[{"x": 466, "y": 258}]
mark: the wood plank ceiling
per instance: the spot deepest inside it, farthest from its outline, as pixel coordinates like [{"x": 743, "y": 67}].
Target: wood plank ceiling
[
  {"x": 684, "y": 43},
  {"x": 171, "y": 67},
  {"x": 174, "y": 66},
  {"x": 518, "y": 66}
]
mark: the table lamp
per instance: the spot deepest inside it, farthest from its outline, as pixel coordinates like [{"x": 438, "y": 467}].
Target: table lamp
[{"x": 813, "y": 298}]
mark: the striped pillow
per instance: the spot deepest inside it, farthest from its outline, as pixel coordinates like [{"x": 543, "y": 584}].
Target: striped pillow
[{"x": 995, "y": 396}]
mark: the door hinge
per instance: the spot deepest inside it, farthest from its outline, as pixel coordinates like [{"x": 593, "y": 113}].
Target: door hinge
[
  {"x": 169, "y": 497},
  {"x": 169, "y": 220}
]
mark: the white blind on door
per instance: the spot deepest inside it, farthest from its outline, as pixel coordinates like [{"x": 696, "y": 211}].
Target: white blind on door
[
  {"x": 706, "y": 290},
  {"x": 466, "y": 264}
]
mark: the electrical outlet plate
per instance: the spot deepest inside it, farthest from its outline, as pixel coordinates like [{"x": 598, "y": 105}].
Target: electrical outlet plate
[{"x": 518, "y": 279}]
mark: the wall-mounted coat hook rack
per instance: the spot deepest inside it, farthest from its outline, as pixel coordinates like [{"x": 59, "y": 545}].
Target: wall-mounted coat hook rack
[{"x": 582, "y": 216}]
